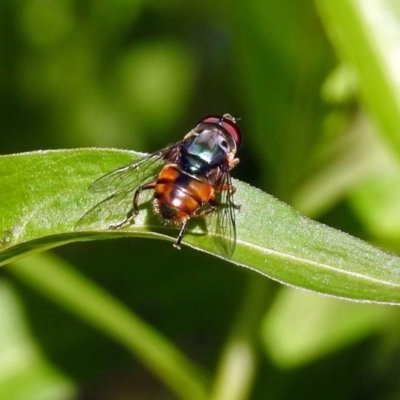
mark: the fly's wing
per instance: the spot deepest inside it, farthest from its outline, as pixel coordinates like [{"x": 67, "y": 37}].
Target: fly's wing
[
  {"x": 120, "y": 185},
  {"x": 221, "y": 224}
]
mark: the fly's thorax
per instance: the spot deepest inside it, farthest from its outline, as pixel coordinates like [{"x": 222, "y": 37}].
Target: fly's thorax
[{"x": 205, "y": 148}]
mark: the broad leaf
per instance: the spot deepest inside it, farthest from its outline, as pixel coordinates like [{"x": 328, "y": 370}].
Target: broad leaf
[{"x": 45, "y": 194}]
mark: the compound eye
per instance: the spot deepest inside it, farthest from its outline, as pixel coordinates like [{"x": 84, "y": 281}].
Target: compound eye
[{"x": 228, "y": 123}]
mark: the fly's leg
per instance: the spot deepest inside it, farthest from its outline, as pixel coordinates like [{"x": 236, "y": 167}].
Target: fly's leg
[
  {"x": 213, "y": 206},
  {"x": 182, "y": 231},
  {"x": 135, "y": 207}
]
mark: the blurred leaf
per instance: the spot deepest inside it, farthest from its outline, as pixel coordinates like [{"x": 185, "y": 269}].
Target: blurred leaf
[
  {"x": 376, "y": 199},
  {"x": 46, "y": 24},
  {"x": 25, "y": 373},
  {"x": 340, "y": 86},
  {"x": 55, "y": 278},
  {"x": 282, "y": 58},
  {"x": 148, "y": 70},
  {"x": 238, "y": 364},
  {"x": 347, "y": 160},
  {"x": 301, "y": 327},
  {"x": 45, "y": 193},
  {"x": 367, "y": 35}
]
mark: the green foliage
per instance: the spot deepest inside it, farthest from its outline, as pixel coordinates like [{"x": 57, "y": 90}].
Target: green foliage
[
  {"x": 320, "y": 133},
  {"x": 41, "y": 211}
]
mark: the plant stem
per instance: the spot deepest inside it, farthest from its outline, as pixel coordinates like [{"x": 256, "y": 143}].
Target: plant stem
[{"x": 238, "y": 364}]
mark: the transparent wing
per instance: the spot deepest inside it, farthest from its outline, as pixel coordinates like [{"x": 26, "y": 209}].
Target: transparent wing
[
  {"x": 134, "y": 174},
  {"x": 221, "y": 224},
  {"x": 120, "y": 185},
  {"x": 111, "y": 211}
]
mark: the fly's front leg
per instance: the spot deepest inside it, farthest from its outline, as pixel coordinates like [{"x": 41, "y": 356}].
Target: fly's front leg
[{"x": 135, "y": 206}]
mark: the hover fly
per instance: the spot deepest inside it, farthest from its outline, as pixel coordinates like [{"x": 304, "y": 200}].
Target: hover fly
[{"x": 189, "y": 179}]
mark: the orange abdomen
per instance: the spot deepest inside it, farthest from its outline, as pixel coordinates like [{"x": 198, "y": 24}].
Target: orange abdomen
[{"x": 179, "y": 195}]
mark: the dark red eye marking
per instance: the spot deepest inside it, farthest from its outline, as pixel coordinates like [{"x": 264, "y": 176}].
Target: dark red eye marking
[{"x": 228, "y": 123}]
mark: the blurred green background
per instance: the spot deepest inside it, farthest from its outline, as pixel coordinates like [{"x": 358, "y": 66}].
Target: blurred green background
[{"x": 314, "y": 85}]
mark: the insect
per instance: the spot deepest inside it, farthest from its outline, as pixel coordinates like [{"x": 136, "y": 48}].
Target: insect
[{"x": 189, "y": 179}]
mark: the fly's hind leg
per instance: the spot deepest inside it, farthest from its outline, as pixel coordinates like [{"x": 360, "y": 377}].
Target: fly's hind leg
[
  {"x": 182, "y": 231},
  {"x": 135, "y": 207},
  {"x": 212, "y": 207}
]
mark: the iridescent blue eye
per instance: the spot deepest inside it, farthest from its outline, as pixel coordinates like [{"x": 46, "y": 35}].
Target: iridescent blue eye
[{"x": 226, "y": 122}]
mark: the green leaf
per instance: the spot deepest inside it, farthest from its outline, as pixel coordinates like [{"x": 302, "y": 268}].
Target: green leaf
[
  {"x": 45, "y": 194},
  {"x": 301, "y": 327},
  {"x": 367, "y": 35}
]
